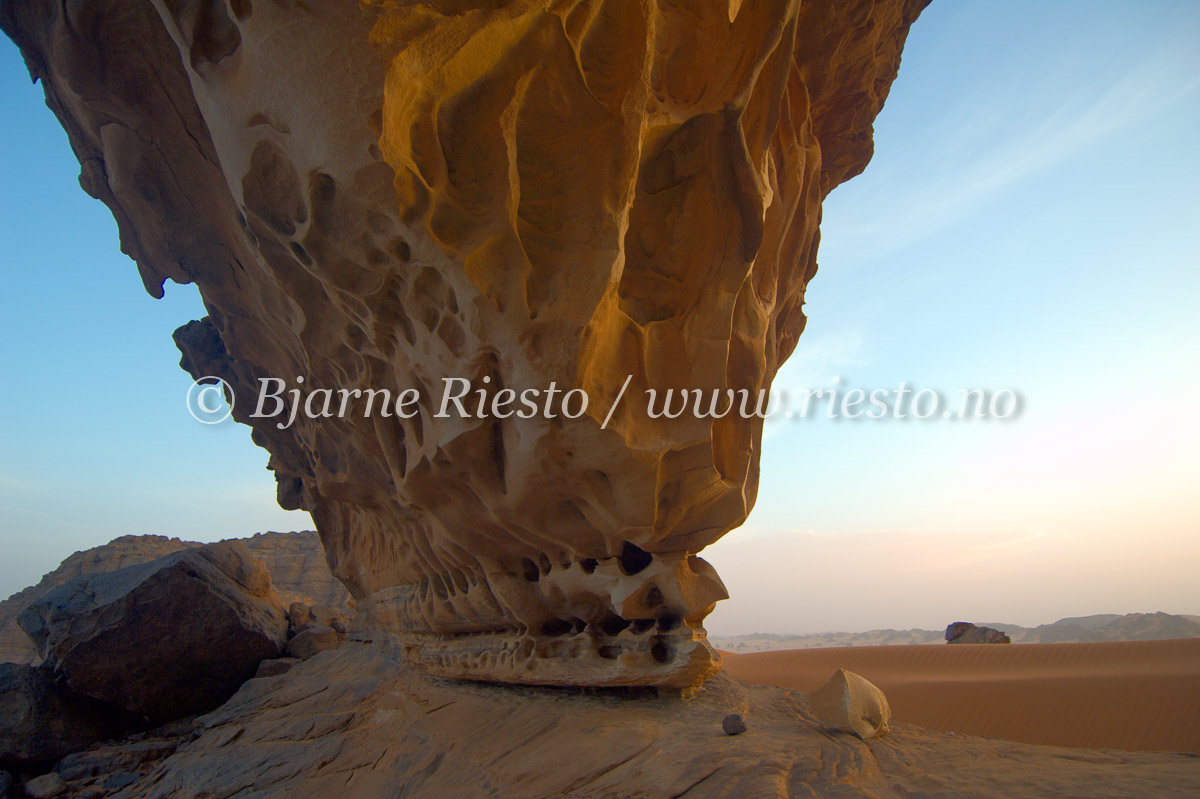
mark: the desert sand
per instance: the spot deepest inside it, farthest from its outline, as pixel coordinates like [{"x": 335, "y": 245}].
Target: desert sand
[{"x": 1133, "y": 695}]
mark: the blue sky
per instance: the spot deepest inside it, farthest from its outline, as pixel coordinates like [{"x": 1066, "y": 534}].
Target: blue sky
[{"x": 1030, "y": 221}]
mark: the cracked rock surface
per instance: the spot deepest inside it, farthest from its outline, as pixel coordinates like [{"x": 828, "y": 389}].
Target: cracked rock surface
[{"x": 356, "y": 722}]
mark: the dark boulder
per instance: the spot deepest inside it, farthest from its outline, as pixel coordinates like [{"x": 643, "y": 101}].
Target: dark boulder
[
  {"x": 164, "y": 639},
  {"x": 39, "y": 724}
]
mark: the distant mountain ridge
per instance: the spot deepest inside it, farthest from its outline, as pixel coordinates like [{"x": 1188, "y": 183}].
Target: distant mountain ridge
[{"x": 1078, "y": 629}]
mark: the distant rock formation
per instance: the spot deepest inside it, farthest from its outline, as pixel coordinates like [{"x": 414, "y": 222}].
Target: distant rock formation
[
  {"x": 296, "y": 562},
  {"x": 963, "y": 632},
  {"x": 1130, "y": 627},
  {"x": 524, "y": 196},
  {"x": 768, "y": 642}
]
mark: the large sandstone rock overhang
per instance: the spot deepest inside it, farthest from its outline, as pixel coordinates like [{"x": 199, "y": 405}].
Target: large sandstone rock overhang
[{"x": 380, "y": 195}]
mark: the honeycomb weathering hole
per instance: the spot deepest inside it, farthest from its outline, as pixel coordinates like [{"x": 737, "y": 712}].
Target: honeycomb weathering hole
[
  {"x": 557, "y": 627},
  {"x": 613, "y": 625},
  {"x": 634, "y": 559}
]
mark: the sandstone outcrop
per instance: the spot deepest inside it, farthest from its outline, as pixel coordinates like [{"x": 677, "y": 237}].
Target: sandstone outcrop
[
  {"x": 296, "y": 562},
  {"x": 849, "y": 702},
  {"x": 597, "y": 197},
  {"x": 109, "y": 767},
  {"x": 356, "y": 722},
  {"x": 301, "y": 617},
  {"x": 963, "y": 632},
  {"x": 298, "y": 569},
  {"x": 162, "y": 639},
  {"x": 313, "y": 640},
  {"x": 313, "y": 629},
  {"x": 39, "y": 723},
  {"x": 15, "y": 646}
]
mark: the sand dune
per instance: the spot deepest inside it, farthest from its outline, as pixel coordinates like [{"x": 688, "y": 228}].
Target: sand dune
[{"x": 1138, "y": 695}]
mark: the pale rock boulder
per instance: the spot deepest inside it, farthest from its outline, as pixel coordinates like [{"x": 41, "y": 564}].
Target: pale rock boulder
[
  {"x": 46, "y": 786},
  {"x": 313, "y": 640},
  {"x": 162, "y": 639},
  {"x": 851, "y": 703},
  {"x": 314, "y": 629},
  {"x": 302, "y": 616}
]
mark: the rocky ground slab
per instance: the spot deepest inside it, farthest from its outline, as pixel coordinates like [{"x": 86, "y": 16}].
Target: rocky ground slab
[{"x": 356, "y": 722}]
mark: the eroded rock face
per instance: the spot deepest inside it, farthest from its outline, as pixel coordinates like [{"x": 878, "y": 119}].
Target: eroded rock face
[
  {"x": 520, "y": 194},
  {"x": 127, "y": 550},
  {"x": 162, "y": 639},
  {"x": 296, "y": 562},
  {"x": 298, "y": 569}
]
